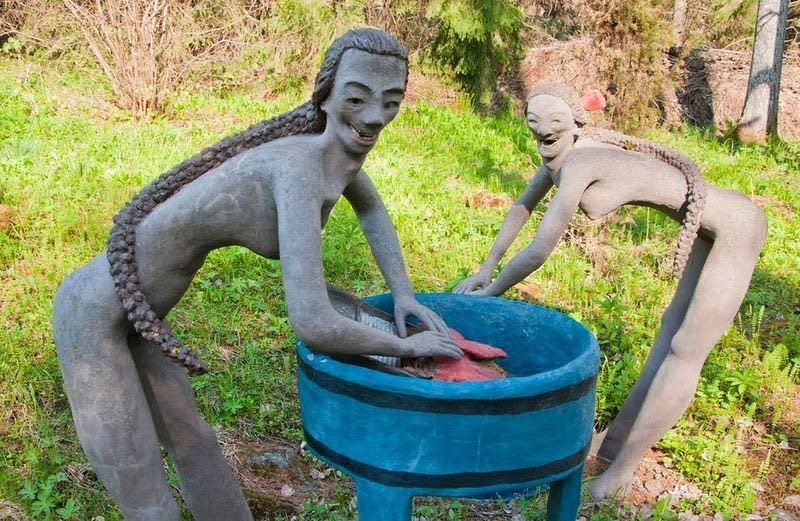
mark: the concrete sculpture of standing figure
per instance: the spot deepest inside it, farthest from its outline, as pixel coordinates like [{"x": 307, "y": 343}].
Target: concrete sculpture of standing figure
[
  {"x": 597, "y": 171},
  {"x": 269, "y": 188}
]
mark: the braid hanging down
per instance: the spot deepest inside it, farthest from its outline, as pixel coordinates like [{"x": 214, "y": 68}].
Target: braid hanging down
[
  {"x": 307, "y": 118},
  {"x": 695, "y": 187}
]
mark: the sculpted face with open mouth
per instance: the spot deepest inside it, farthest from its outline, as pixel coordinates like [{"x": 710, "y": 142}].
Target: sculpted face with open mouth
[
  {"x": 552, "y": 124},
  {"x": 366, "y": 96},
  {"x": 363, "y": 136}
]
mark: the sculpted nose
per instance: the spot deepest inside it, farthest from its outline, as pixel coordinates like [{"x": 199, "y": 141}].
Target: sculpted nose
[
  {"x": 372, "y": 117},
  {"x": 544, "y": 130}
]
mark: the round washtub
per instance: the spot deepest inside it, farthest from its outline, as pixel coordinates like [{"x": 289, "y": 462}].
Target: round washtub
[{"x": 400, "y": 437}]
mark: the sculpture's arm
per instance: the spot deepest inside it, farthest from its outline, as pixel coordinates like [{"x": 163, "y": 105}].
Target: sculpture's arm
[
  {"x": 555, "y": 220},
  {"x": 517, "y": 216},
  {"x": 311, "y": 314},
  {"x": 382, "y": 239}
]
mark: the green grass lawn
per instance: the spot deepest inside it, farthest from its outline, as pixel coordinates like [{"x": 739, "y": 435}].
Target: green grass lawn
[{"x": 68, "y": 162}]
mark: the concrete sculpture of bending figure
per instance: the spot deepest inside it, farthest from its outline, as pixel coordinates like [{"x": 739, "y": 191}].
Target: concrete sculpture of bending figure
[
  {"x": 269, "y": 188},
  {"x": 597, "y": 171}
]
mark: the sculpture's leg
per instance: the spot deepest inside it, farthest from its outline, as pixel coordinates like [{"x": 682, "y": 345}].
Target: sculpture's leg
[
  {"x": 564, "y": 498},
  {"x": 208, "y": 484},
  {"x": 377, "y": 502},
  {"x": 718, "y": 293},
  {"x": 614, "y": 438},
  {"x": 108, "y": 404}
]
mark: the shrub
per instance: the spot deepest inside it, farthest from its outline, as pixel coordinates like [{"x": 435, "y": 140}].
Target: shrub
[{"x": 478, "y": 41}]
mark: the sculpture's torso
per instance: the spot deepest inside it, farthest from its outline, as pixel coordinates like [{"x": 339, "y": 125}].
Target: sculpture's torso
[
  {"x": 616, "y": 177},
  {"x": 232, "y": 204}
]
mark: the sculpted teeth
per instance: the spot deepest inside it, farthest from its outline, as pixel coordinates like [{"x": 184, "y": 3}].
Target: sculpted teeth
[{"x": 363, "y": 136}]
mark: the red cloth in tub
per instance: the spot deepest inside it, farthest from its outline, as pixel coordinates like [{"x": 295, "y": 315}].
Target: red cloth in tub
[{"x": 465, "y": 369}]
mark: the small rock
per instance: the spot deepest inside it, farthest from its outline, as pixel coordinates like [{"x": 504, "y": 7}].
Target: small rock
[
  {"x": 688, "y": 516},
  {"x": 654, "y": 486},
  {"x": 287, "y": 491},
  {"x": 686, "y": 491},
  {"x": 719, "y": 517},
  {"x": 267, "y": 461},
  {"x": 321, "y": 474},
  {"x": 647, "y": 511},
  {"x": 792, "y": 501},
  {"x": 754, "y": 517},
  {"x": 518, "y": 517},
  {"x": 780, "y": 514}
]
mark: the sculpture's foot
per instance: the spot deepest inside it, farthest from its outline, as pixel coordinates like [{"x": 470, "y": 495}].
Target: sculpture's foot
[{"x": 609, "y": 484}]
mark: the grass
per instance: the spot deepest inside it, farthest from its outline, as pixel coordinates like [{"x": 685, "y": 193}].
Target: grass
[{"x": 68, "y": 161}]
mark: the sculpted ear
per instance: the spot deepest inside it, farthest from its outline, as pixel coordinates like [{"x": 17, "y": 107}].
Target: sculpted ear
[{"x": 592, "y": 100}]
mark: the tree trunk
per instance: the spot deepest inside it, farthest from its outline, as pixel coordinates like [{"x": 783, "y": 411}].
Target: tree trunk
[
  {"x": 679, "y": 22},
  {"x": 760, "y": 113}
]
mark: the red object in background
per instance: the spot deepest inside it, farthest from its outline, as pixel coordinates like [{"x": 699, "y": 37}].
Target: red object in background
[
  {"x": 592, "y": 100},
  {"x": 465, "y": 369}
]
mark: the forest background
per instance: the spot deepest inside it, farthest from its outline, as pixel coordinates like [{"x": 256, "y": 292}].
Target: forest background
[{"x": 98, "y": 98}]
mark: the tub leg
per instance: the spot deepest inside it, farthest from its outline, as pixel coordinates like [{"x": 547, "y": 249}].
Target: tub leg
[
  {"x": 564, "y": 498},
  {"x": 380, "y": 503}
]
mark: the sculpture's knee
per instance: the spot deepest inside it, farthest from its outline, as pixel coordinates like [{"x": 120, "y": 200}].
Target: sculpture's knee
[{"x": 685, "y": 347}]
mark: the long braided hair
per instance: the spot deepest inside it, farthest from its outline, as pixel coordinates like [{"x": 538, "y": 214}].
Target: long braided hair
[
  {"x": 307, "y": 118},
  {"x": 695, "y": 187}
]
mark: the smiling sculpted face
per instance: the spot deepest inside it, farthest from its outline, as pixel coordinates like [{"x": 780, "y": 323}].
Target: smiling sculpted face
[
  {"x": 365, "y": 97},
  {"x": 553, "y": 125}
]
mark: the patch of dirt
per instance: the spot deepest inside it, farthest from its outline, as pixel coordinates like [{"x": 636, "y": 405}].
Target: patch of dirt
[
  {"x": 11, "y": 512},
  {"x": 484, "y": 199},
  {"x": 780, "y": 207},
  {"x": 653, "y": 479},
  {"x": 276, "y": 476},
  {"x": 6, "y": 218}
]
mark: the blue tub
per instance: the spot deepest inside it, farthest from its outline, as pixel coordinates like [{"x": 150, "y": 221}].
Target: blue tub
[{"x": 400, "y": 437}]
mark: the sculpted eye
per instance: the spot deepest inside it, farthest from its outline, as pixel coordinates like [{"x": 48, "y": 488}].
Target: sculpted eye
[
  {"x": 391, "y": 105},
  {"x": 355, "y": 101}
]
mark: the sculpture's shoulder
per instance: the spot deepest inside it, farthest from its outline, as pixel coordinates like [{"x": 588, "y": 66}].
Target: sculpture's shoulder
[
  {"x": 588, "y": 154},
  {"x": 596, "y": 153},
  {"x": 283, "y": 156},
  {"x": 289, "y": 149}
]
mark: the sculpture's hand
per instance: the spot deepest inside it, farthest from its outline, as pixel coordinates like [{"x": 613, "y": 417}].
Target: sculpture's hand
[
  {"x": 430, "y": 343},
  {"x": 408, "y": 306},
  {"x": 473, "y": 284}
]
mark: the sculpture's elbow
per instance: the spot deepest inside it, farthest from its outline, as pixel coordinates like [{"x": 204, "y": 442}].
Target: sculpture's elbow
[
  {"x": 533, "y": 259},
  {"x": 315, "y": 326}
]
